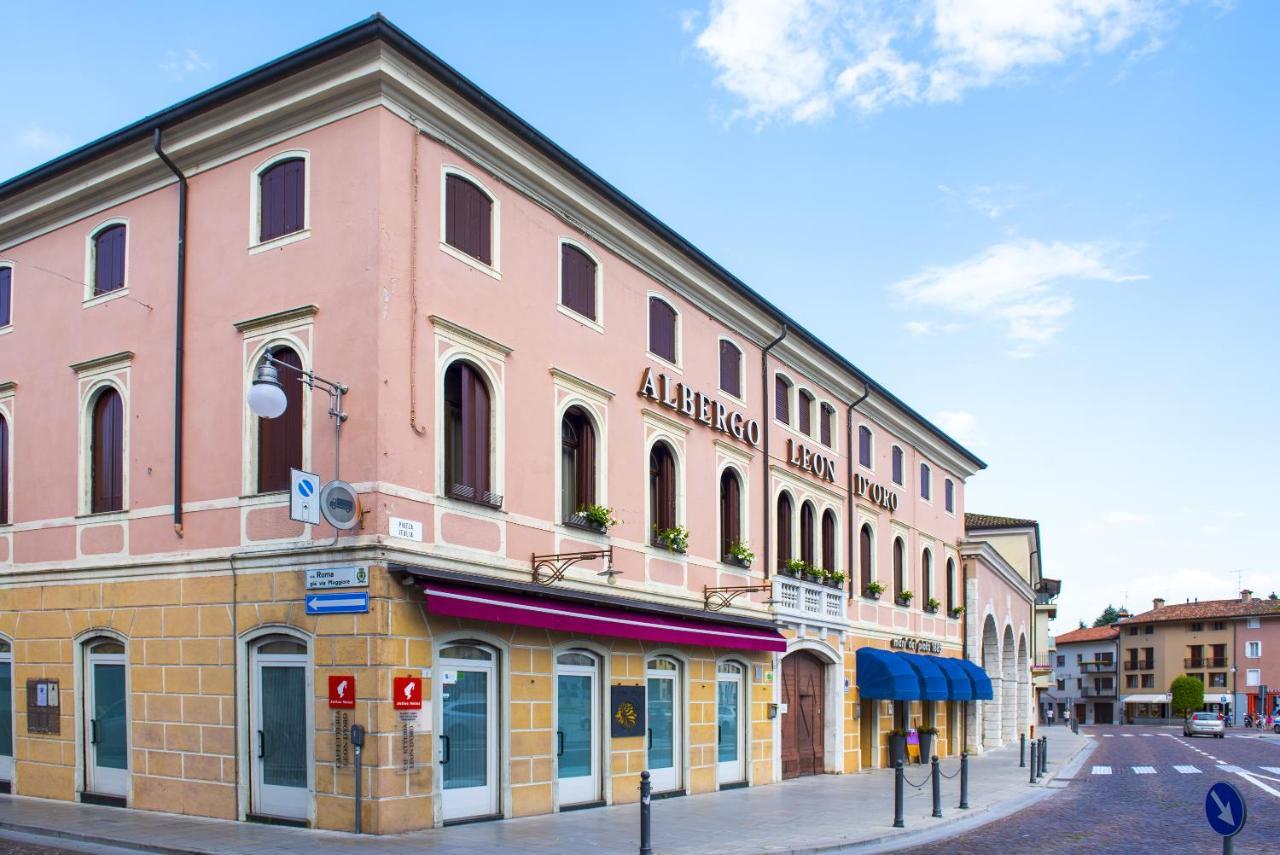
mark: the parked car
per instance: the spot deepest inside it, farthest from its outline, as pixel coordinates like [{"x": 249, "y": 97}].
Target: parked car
[{"x": 1204, "y": 724}]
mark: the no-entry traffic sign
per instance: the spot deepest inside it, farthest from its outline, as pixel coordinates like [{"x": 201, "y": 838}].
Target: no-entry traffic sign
[
  {"x": 406, "y": 693},
  {"x": 342, "y": 692}
]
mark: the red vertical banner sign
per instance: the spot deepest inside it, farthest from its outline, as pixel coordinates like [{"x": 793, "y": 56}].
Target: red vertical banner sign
[
  {"x": 406, "y": 693},
  {"x": 342, "y": 692}
]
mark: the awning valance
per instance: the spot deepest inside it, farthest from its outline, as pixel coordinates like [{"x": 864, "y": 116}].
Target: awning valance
[
  {"x": 886, "y": 676},
  {"x": 563, "y": 616},
  {"x": 933, "y": 684},
  {"x": 959, "y": 686},
  {"x": 981, "y": 682},
  {"x": 1145, "y": 699}
]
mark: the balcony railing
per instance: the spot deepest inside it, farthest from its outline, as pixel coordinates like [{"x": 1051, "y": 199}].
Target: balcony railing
[
  {"x": 1144, "y": 665},
  {"x": 1204, "y": 662},
  {"x": 1098, "y": 692},
  {"x": 808, "y": 599},
  {"x": 1100, "y": 666}
]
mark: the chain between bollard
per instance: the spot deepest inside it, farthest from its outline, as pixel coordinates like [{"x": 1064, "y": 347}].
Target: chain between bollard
[
  {"x": 914, "y": 784},
  {"x": 937, "y": 787}
]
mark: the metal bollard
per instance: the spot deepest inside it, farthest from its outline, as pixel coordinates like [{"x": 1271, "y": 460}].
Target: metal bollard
[
  {"x": 897, "y": 795},
  {"x": 646, "y": 829},
  {"x": 964, "y": 782},
  {"x": 1035, "y": 767},
  {"x": 1040, "y": 757},
  {"x": 937, "y": 788},
  {"x": 1022, "y": 750},
  {"x": 1044, "y": 758}
]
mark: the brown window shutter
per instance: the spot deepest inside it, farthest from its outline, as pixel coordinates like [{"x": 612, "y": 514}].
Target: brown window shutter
[
  {"x": 784, "y": 530},
  {"x": 466, "y": 439},
  {"x": 804, "y": 413},
  {"x": 864, "y": 555},
  {"x": 280, "y": 439},
  {"x": 806, "y": 533},
  {"x": 6, "y": 296},
  {"x": 864, "y": 445},
  {"x": 662, "y": 329},
  {"x": 730, "y": 368},
  {"x": 781, "y": 399},
  {"x": 828, "y": 416},
  {"x": 577, "y": 281},
  {"x": 828, "y": 540},
  {"x": 108, "y": 259},
  {"x": 951, "y": 585},
  {"x": 4, "y": 471},
  {"x": 662, "y": 489},
  {"x": 282, "y": 199},
  {"x": 898, "y": 580},
  {"x": 468, "y": 218},
  {"x": 107, "y": 453},
  {"x": 730, "y": 511},
  {"x": 586, "y": 461},
  {"x": 926, "y": 583}
]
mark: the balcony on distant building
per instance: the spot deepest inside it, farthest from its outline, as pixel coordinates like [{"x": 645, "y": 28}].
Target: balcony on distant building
[
  {"x": 1205, "y": 662},
  {"x": 1098, "y": 666}
]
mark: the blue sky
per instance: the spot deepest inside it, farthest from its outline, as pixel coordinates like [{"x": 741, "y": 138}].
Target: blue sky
[{"x": 1049, "y": 225}]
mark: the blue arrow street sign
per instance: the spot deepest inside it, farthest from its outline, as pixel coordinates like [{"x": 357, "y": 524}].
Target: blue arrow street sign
[
  {"x": 348, "y": 602},
  {"x": 1224, "y": 806}
]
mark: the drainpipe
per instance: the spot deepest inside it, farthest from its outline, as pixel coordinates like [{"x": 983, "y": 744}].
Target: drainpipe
[
  {"x": 848, "y": 456},
  {"x": 766, "y": 398},
  {"x": 179, "y": 332}
]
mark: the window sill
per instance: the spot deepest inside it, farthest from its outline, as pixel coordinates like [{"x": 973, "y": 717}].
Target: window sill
[
  {"x": 277, "y": 242},
  {"x": 666, "y": 551},
  {"x": 6, "y": 329},
  {"x": 273, "y": 498},
  {"x": 103, "y": 516},
  {"x": 99, "y": 299},
  {"x": 578, "y": 524},
  {"x": 580, "y": 318},
  {"x": 471, "y": 261},
  {"x": 662, "y": 360}
]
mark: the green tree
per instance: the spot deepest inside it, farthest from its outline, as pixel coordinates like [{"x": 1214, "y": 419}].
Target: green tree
[
  {"x": 1109, "y": 616},
  {"x": 1188, "y": 694}
]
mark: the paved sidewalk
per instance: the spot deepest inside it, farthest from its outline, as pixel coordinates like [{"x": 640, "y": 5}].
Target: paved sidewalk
[{"x": 823, "y": 813}]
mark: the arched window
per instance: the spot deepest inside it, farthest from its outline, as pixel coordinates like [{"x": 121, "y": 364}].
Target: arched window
[
  {"x": 949, "y": 495},
  {"x": 926, "y": 576},
  {"x": 925, "y": 486},
  {"x": 662, "y": 489},
  {"x": 468, "y": 218},
  {"x": 827, "y": 424},
  {"x": 577, "y": 462},
  {"x": 806, "y": 533},
  {"x": 898, "y": 473},
  {"x": 466, "y": 434},
  {"x": 662, "y": 329},
  {"x": 106, "y": 453},
  {"x": 108, "y": 259},
  {"x": 951, "y": 586},
  {"x": 804, "y": 412},
  {"x": 4, "y": 471},
  {"x": 899, "y": 573},
  {"x": 782, "y": 399},
  {"x": 730, "y": 510},
  {"x": 864, "y": 446},
  {"x": 864, "y": 556},
  {"x": 6, "y": 296},
  {"x": 577, "y": 281},
  {"x": 784, "y": 529},
  {"x": 730, "y": 368},
  {"x": 280, "y": 439},
  {"x": 282, "y": 195},
  {"x": 828, "y": 540}
]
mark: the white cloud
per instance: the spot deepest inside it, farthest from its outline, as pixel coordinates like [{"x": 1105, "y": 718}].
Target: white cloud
[
  {"x": 41, "y": 140},
  {"x": 1127, "y": 518},
  {"x": 797, "y": 59},
  {"x": 1018, "y": 283},
  {"x": 178, "y": 64},
  {"x": 957, "y": 423},
  {"x": 918, "y": 327}
]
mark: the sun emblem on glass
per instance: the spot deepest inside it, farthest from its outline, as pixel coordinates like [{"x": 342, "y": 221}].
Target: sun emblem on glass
[{"x": 625, "y": 715}]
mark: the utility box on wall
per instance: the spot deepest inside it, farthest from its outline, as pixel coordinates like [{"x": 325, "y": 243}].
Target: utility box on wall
[{"x": 44, "y": 706}]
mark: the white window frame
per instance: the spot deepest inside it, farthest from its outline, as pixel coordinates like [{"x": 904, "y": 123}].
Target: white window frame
[
  {"x": 1253, "y": 623},
  {"x": 1255, "y": 646},
  {"x": 13, "y": 276},
  {"x": 792, "y": 402},
  {"x": 495, "y": 225},
  {"x": 597, "y": 323},
  {"x": 679, "y": 337},
  {"x": 795, "y": 523},
  {"x": 676, "y": 442},
  {"x": 90, "y": 257},
  {"x": 742, "y": 371},
  {"x": 597, "y": 413},
  {"x": 255, "y": 202},
  {"x": 1252, "y": 677},
  {"x": 97, "y": 376},
  {"x": 740, "y": 469},
  {"x": 951, "y": 511}
]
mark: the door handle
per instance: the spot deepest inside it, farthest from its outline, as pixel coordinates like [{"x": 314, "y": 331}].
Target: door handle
[
  {"x": 719, "y": 734},
  {"x": 448, "y": 749},
  {"x": 262, "y": 745},
  {"x": 650, "y": 730},
  {"x": 560, "y": 740},
  {"x": 93, "y": 731}
]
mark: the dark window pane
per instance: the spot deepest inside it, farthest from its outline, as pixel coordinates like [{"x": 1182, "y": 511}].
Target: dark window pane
[
  {"x": 662, "y": 329},
  {"x": 662, "y": 488},
  {"x": 806, "y": 533},
  {"x": 577, "y": 281},
  {"x": 730, "y": 511},
  {"x": 108, "y": 259},
  {"x": 280, "y": 439},
  {"x": 864, "y": 445},
  {"x": 924, "y": 481},
  {"x": 282, "y": 199},
  {"x": 949, "y": 495},
  {"x": 468, "y": 218},
  {"x": 781, "y": 399},
  {"x": 897, "y": 465},
  {"x": 577, "y": 462},
  {"x": 804, "y": 413},
  {"x": 828, "y": 417},
  {"x": 6, "y": 296},
  {"x": 828, "y": 540},
  {"x": 4, "y": 471},
  {"x": 899, "y": 582},
  {"x": 107, "y": 453},
  {"x": 730, "y": 368},
  {"x": 864, "y": 555},
  {"x": 784, "y": 530},
  {"x": 467, "y": 415},
  {"x": 926, "y": 570},
  {"x": 951, "y": 585}
]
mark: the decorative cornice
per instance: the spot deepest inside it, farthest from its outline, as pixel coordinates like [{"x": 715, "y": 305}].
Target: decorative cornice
[
  {"x": 7, "y": 386},
  {"x": 283, "y": 318},
  {"x": 988, "y": 554},
  {"x": 582, "y": 385},
  {"x": 471, "y": 337},
  {"x": 103, "y": 363}
]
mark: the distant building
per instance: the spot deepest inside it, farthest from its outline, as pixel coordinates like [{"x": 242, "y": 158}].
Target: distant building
[{"x": 1084, "y": 678}]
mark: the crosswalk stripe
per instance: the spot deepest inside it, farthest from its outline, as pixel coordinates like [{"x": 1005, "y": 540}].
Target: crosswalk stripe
[
  {"x": 1144, "y": 770},
  {"x": 1188, "y": 770},
  {"x": 1108, "y": 735},
  {"x": 1126, "y": 735},
  {"x": 1146, "y": 734},
  {"x": 1274, "y": 770},
  {"x": 1226, "y": 767},
  {"x": 1102, "y": 770}
]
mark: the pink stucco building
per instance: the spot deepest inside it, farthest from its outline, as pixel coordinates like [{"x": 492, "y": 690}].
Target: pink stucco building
[{"x": 616, "y": 510}]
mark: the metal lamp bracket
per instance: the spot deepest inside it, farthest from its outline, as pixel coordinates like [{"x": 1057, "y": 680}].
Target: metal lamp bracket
[{"x": 550, "y": 569}]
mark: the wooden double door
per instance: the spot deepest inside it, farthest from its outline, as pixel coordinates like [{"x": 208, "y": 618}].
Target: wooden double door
[{"x": 803, "y": 723}]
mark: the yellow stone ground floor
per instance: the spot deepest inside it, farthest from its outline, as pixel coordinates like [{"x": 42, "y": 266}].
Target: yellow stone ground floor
[{"x": 216, "y": 694}]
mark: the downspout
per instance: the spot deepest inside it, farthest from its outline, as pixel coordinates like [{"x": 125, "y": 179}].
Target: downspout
[
  {"x": 766, "y": 398},
  {"x": 179, "y": 334},
  {"x": 848, "y": 454}
]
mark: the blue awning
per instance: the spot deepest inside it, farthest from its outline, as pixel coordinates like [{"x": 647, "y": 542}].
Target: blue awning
[
  {"x": 959, "y": 686},
  {"x": 933, "y": 685},
  {"x": 886, "y": 676},
  {"x": 981, "y": 682}
]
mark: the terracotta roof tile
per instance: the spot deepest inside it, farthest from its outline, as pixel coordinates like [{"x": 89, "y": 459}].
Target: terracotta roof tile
[
  {"x": 1206, "y": 609},
  {"x": 983, "y": 521},
  {"x": 1090, "y": 633}
]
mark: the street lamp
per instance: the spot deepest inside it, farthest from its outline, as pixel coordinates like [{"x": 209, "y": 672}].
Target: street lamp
[{"x": 267, "y": 399}]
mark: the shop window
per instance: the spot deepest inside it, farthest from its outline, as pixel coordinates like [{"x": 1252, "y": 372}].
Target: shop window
[
  {"x": 730, "y": 511},
  {"x": 806, "y": 533},
  {"x": 280, "y": 439},
  {"x": 109, "y": 259},
  {"x": 578, "y": 273},
  {"x": 282, "y": 199},
  {"x": 898, "y": 474},
  {"x": 804, "y": 412},
  {"x": 828, "y": 540},
  {"x": 577, "y": 462},
  {"x": 865, "y": 552},
  {"x": 782, "y": 399},
  {"x": 784, "y": 529},
  {"x": 468, "y": 218},
  {"x": 106, "y": 453},
  {"x": 663, "y": 332},
  {"x": 730, "y": 368},
  {"x": 949, "y": 495},
  {"x": 466, "y": 435},
  {"x": 926, "y": 488},
  {"x": 864, "y": 446},
  {"x": 662, "y": 489},
  {"x": 826, "y": 424},
  {"x": 899, "y": 570}
]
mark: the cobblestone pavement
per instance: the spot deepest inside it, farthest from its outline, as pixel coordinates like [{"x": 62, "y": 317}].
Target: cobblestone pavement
[{"x": 1143, "y": 788}]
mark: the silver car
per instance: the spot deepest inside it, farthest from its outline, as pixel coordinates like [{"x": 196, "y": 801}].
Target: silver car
[{"x": 1204, "y": 724}]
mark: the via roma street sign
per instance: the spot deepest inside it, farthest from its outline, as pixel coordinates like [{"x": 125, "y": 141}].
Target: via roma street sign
[
  {"x": 1225, "y": 809},
  {"x": 337, "y": 577},
  {"x": 346, "y": 603}
]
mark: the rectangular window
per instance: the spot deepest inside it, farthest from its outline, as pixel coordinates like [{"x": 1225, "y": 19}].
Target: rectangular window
[
  {"x": 782, "y": 400},
  {"x": 1253, "y": 649},
  {"x": 1149, "y": 630},
  {"x": 6, "y": 296},
  {"x": 925, "y": 485},
  {"x": 1197, "y": 627},
  {"x": 730, "y": 368},
  {"x": 949, "y": 496},
  {"x": 468, "y": 222},
  {"x": 1062, "y": 684},
  {"x": 1131, "y": 681},
  {"x": 577, "y": 281},
  {"x": 282, "y": 199},
  {"x": 804, "y": 412},
  {"x": 1218, "y": 680},
  {"x": 897, "y": 466},
  {"x": 1148, "y": 681},
  {"x": 864, "y": 446},
  {"x": 824, "y": 430},
  {"x": 1254, "y": 623},
  {"x": 1079, "y": 658},
  {"x": 1253, "y": 677},
  {"x": 1219, "y": 625},
  {"x": 1062, "y": 660},
  {"x": 1133, "y": 630}
]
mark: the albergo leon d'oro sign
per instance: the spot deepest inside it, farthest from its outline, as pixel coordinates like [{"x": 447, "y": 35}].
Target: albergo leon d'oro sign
[{"x": 699, "y": 407}]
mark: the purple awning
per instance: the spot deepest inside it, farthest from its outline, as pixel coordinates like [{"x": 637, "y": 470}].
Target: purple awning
[{"x": 564, "y": 616}]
